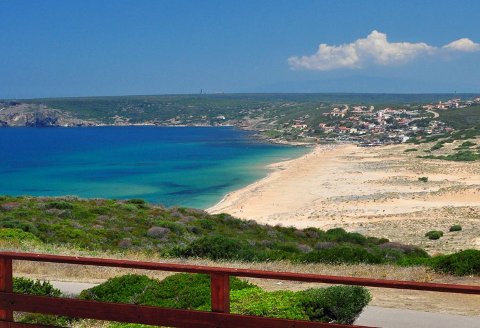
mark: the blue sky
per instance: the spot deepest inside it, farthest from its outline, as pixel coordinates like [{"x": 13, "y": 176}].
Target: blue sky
[{"x": 80, "y": 48}]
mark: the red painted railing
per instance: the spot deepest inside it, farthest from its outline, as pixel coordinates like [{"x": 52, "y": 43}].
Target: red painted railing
[{"x": 220, "y": 289}]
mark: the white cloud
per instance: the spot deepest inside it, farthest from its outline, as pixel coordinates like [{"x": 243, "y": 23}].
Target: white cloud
[
  {"x": 463, "y": 44},
  {"x": 375, "y": 48}
]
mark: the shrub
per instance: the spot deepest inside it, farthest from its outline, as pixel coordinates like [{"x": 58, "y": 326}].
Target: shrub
[
  {"x": 129, "y": 207},
  {"x": 60, "y": 205},
  {"x": 434, "y": 234},
  {"x": 279, "y": 304},
  {"x": 12, "y": 223},
  {"x": 40, "y": 288},
  {"x": 337, "y": 304},
  {"x": 340, "y": 235},
  {"x": 462, "y": 263},
  {"x": 405, "y": 249},
  {"x": 423, "y": 179},
  {"x": 158, "y": 232},
  {"x": 8, "y": 234},
  {"x": 218, "y": 247},
  {"x": 177, "y": 228},
  {"x": 340, "y": 304},
  {"x": 342, "y": 254},
  {"x": 140, "y": 203},
  {"x": 467, "y": 144},
  {"x": 31, "y": 287},
  {"x": 438, "y": 145},
  {"x": 455, "y": 227},
  {"x": 410, "y": 149},
  {"x": 181, "y": 291}
]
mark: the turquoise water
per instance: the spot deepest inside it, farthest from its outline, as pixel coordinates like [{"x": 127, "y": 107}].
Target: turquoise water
[{"x": 187, "y": 166}]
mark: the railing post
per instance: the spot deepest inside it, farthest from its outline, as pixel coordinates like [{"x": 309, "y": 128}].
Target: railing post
[
  {"x": 6, "y": 285},
  {"x": 220, "y": 289}
]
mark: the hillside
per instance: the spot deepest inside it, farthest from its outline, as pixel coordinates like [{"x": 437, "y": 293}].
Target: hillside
[{"x": 110, "y": 225}]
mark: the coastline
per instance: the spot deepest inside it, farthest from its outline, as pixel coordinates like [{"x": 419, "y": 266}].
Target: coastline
[
  {"x": 232, "y": 197},
  {"x": 374, "y": 191}
]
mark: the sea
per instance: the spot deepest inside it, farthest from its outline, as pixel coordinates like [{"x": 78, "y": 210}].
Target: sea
[{"x": 171, "y": 166}]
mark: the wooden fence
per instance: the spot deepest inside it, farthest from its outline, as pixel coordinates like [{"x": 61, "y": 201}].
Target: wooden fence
[{"x": 220, "y": 296}]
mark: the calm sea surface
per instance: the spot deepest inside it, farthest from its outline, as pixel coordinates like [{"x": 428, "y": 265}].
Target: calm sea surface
[{"x": 186, "y": 166}]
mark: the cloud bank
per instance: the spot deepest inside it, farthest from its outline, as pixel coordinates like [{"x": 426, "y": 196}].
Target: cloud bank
[{"x": 374, "y": 49}]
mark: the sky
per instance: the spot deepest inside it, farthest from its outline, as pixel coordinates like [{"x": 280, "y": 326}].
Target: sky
[{"x": 53, "y": 48}]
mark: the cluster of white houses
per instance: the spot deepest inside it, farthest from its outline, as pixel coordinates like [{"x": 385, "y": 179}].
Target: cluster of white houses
[
  {"x": 453, "y": 104},
  {"x": 367, "y": 126}
]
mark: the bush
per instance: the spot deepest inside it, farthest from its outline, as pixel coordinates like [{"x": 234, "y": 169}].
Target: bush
[
  {"x": 342, "y": 254},
  {"x": 140, "y": 203},
  {"x": 279, "y": 304},
  {"x": 423, "y": 179},
  {"x": 60, "y": 205},
  {"x": 462, "y": 263},
  {"x": 39, "y": 288},
  {"x": 8, "y": 234},
  {"x": 455, "y": 227},
  {"x": 340, "y": 304},
  {"x": 31, "y": 287},
  {"x": 218, "y": 248},
  {"x": 181, "y": 291},
  {"x": 340, "y": 235},
  {"x": 12, "y": 223},
  {"x": 158, "y": 232},
  {"x": 434, "y": 234},
  {"x": 337, "y": 304}
]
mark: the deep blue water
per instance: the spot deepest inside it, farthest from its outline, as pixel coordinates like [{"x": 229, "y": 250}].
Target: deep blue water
[{"x": 187, "y": 166}]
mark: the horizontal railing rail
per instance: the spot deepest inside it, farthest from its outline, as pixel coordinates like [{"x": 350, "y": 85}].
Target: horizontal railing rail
[{"x": 220, "y": 297}]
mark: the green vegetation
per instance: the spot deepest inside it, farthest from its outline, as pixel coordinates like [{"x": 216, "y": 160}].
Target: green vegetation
[
  {"x": 410, "y": 150},
  {"x": 232, "y": 106},
  {"x": 455, "y": 227},
  {"x": 110, "y": 225},
  {"x": 470, "y": 132},
  {"x": 37, "y": 287},
  {"x": 466, "y": 145},
  {"x": 461, "y": 156},
  {"x": 461, "y": 118},
  {"x": 462, "y": 263},
  {"x": 434, "y": 234},
  {"x": 99, "y": 224},
  {"x": 438, "y": 145},
  {"x": 423, "y": 179},
  {"x": 180, "y": 291},
  {"x": 339, "y": 304}
]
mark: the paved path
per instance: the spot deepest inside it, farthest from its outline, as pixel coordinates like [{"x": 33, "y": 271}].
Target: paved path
[
  {"x": 71, "y": 288},
  {"x": 372, "y": 315},
  {"x": 393, "y": 318}
]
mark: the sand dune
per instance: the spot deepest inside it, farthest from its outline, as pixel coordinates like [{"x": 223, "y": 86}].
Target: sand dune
[{"x": 363, "y": 189}]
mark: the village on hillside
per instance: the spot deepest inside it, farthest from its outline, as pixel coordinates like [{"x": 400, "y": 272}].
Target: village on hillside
[{"x": 367, "y": 126}]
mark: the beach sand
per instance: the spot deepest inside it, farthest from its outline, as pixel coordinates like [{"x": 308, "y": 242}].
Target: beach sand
[{"x": 374, "y": 191}]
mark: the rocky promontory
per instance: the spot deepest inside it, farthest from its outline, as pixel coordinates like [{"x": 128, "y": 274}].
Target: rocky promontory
[{"x": 15, "y": 114}]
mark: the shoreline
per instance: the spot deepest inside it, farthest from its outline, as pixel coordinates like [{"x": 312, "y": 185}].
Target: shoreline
[
  {"x": 272, "y": 169},
  {"x": 373, "y": 191}
]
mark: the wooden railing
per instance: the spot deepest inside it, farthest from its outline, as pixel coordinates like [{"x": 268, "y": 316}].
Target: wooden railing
[{"x": 220, "y": 289}]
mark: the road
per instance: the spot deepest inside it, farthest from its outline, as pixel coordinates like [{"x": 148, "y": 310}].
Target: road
[
  {"x": 371, "y": 316},
  {"x": 435, "y": 114}
]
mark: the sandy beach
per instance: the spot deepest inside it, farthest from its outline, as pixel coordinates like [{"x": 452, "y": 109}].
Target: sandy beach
[{"x": 374, "y": 191}]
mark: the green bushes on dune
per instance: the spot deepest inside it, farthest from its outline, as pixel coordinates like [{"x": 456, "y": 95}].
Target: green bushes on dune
[
  {"x": 133, "y": 225},
  {"x": 462, "y": 263},
  {"x": 339, "y": 304}
]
